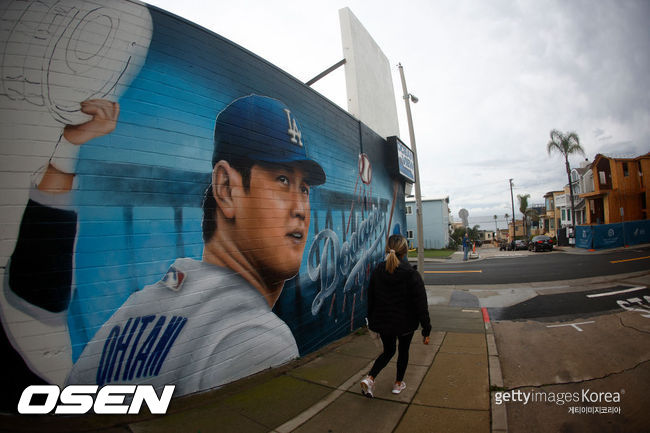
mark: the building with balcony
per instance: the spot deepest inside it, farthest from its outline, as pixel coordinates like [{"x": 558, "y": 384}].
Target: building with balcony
[
  {"x": 535, "y": 220},
  {"x": 582, "y": 181},
  {"x": 557, "y": 212},
  {"x": 550, "y": 221},
  {"x": 620, "y": 190}
]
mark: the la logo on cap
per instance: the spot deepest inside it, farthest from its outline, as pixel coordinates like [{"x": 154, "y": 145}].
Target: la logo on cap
[{"x": 293, "y": 131}]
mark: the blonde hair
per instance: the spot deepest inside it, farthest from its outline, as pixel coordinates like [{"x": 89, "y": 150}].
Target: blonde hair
[{"x": 396, "y": 248}]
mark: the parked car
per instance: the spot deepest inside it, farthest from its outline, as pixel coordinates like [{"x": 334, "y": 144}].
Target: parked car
[
  {"x": 521, "y": 244},
  {"x": 541, "y": 243},
  {"x": 504, "y": 246}
]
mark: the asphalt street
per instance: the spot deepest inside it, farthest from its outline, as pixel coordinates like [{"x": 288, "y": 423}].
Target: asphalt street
[
  {"x": 507, "y": 268},
  {"x": 577, "y": 304},
  {"x": 565, "y": 323}
]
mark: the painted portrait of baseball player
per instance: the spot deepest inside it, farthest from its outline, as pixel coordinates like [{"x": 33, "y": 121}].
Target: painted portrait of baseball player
[
  {"x": 209, "y": 322},
  {"x": 163, "y": 222}
]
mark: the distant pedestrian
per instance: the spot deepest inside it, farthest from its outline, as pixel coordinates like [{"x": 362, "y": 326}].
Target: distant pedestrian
[
  {"x": 466, "y": 244},
  {"x": 397, "y": 304}
]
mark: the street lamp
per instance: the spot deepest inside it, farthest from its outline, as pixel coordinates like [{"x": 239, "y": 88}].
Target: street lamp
[
  {"x": 514, "y": 226},
  {"x": 418, "y": 195}
]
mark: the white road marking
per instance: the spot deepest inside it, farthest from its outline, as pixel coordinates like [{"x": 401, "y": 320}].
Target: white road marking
[
  {"x": 618, "y": 292},
  {"x": 574, "y": 325},
  {"x": 626, "y": 305}
]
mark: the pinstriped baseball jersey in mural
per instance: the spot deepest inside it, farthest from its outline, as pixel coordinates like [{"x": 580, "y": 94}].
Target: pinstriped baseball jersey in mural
[{"x": 199, "y": 327}]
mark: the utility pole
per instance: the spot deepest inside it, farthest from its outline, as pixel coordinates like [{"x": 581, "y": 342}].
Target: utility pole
[
  {"x": 512, "y": 200},
  {"x": 418, "y": 195}
]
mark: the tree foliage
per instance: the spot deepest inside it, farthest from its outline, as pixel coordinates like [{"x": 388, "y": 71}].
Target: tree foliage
[
  {"x": 456, "y": 237},
  {"x": 566, "y": 144},
  {"x": 523, "y": 208}
]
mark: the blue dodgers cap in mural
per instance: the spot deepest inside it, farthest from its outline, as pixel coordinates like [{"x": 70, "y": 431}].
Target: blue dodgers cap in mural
[{"x": 263, "y": 129}]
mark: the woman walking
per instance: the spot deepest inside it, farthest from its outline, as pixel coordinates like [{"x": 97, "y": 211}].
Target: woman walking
[{"x": 397, "y": 303}]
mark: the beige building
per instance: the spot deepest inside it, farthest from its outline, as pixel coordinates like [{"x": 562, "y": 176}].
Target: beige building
[{"x": 550, "y": 221}]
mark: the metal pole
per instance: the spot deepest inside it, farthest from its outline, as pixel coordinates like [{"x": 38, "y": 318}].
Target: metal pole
[
  {"x": 623, "y": 203},
  {"x": 326, "y": 71},
  {"x": 514, "y": 226},
  {"x": 418, "y": 194}
]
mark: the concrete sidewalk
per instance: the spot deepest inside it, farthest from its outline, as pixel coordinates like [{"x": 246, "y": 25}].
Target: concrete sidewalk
[{"x": 448, "y": 390}]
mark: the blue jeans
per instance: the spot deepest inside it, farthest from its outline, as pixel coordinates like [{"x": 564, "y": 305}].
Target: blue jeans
[{"x": 465, "y": 251}]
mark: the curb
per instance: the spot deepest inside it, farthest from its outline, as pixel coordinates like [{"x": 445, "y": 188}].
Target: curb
[
  {"x": 499, "y": 418},
  {"x": 490, "y": 253}
]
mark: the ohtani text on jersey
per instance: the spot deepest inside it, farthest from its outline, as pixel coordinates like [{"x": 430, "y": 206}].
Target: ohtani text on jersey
[{"x": 138, "y": 349}]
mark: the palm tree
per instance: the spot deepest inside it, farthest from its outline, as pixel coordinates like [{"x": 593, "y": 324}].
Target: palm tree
[
  {"x": 566, "y": 144},
  {"x": 523, "y": 208}
]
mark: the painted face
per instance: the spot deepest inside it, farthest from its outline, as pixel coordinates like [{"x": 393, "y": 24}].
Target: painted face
[{"x": 272, "y": 220}]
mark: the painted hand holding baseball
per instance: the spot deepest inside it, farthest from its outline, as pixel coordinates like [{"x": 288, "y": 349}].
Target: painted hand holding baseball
[
  {"x": 105, "y": 114},
  {"x": 59, "y": 174}
]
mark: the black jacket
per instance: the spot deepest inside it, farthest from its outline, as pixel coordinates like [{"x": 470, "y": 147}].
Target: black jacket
[{"x": 397, "y": 302}]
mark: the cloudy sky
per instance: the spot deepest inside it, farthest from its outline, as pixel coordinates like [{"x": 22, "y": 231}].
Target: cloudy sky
[{"x": 492, "y": 77}]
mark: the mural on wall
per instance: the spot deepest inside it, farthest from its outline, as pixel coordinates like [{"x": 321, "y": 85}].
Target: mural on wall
[{"x": 177, "y": 210}]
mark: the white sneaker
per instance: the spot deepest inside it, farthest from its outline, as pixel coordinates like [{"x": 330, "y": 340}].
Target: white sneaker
[
  {"x": 368, "y": 387},
  {"x": 399, "y": 388}
]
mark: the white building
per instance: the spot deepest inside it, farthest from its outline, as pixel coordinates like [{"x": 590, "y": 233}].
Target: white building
[
  {"x": 435, "y": 222},
  {"x": 582, "y": 180}
]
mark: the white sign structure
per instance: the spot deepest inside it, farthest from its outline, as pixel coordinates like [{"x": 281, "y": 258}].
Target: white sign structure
[{"x": 368, "y": 78}]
